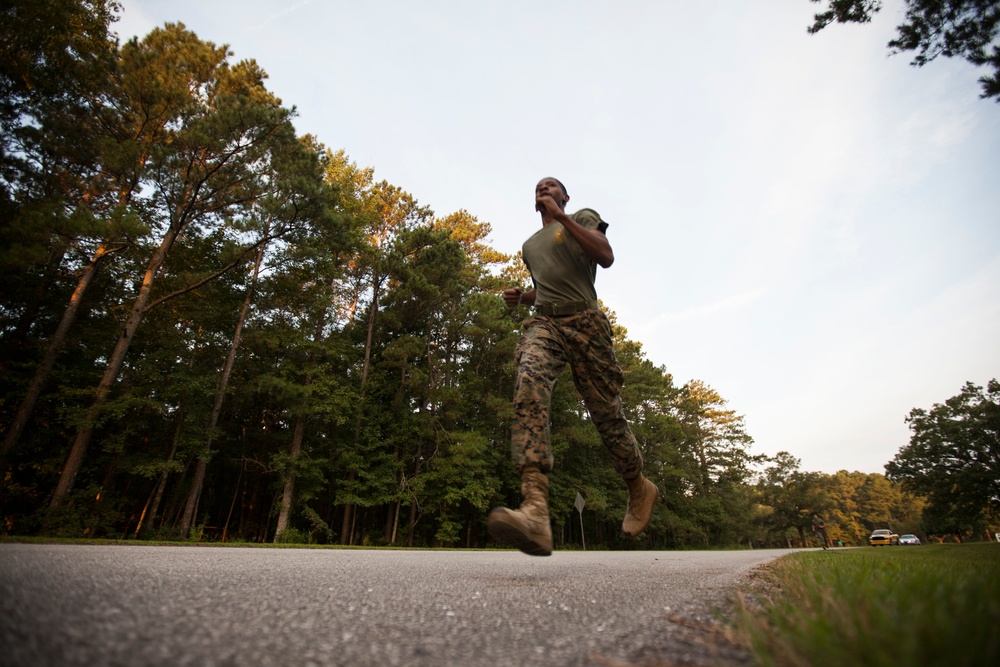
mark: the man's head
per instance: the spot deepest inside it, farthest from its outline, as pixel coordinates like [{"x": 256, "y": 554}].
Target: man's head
[{"x": 554, "y": 188}]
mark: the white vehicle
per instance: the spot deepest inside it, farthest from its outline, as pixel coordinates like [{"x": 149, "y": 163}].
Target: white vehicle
[{"x": 909, "y": 538}]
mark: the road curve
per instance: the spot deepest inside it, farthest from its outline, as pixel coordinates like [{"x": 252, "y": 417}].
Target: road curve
[{"x": 144, "y": 605}]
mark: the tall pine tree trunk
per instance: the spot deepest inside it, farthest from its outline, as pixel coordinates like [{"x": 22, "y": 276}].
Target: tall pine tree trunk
[
  {"x": 345, "y": 525},
  {"x": 288, "y": 493},
  {"x": 346, "y": 529},
  {"x": 51, "y": 352},
  {"x": 115, "y": 363},
  {"x": 412, "y": 523},
  {"x": 161, "y": 483},
  {"x": 201, "y": 464},
  {"x": 395, "y": 521}
]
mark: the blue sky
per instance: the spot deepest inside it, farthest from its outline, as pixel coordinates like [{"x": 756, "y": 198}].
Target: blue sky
[{"x": 806, "y": 223}]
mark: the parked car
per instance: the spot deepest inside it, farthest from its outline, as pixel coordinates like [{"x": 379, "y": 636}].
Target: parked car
[
  {"x": 909, "y": 538},
  {"x": 883, "y": 537}
]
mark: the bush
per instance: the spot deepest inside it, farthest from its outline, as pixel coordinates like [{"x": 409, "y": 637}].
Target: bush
[{"x": 291, "y": 536}]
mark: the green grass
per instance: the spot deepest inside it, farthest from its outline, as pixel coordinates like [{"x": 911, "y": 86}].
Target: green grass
[{"x": 928, "y": 605}]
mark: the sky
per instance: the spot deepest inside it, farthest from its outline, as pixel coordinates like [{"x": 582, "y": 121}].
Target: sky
[{"x": 805, "y": 223}]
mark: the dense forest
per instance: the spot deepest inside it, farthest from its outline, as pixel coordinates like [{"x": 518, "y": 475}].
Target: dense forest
[{"x": 214, "y": 329}]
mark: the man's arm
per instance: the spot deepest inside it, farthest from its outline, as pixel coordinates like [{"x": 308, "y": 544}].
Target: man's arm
[
  {"x": 515, "y": 297},
  {"x": 593, "y": 242}
]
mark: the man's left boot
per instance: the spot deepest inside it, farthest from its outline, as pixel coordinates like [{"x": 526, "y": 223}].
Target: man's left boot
[{"x": 642, "y": 496}]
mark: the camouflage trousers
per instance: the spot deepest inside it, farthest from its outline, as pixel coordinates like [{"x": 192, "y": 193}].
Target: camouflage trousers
[{"x": 584, "y": 342}]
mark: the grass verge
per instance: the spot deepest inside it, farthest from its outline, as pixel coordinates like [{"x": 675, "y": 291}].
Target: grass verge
[{"x": 928, "y": 605}]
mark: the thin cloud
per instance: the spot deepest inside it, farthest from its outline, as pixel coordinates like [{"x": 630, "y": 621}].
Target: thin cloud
[
  {"x": 730, "y": 303},
  {"x": 277, "y": 15}
]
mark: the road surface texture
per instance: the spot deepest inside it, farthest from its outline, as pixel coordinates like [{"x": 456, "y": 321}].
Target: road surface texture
[{"x": 213, "y": 606}]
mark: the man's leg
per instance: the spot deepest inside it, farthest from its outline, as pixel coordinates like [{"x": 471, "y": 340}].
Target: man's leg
[
  {"x": 540, "y": 358},
  {"x": 599, "y": 380}
]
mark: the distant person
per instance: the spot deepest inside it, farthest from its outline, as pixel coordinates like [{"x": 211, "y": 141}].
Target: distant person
[
  {"x": 568, "y": 327},
  {"x": 819, "y": 527}
]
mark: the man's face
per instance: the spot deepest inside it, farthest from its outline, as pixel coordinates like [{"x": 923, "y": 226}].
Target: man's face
[{"x": 549, "y": 187}]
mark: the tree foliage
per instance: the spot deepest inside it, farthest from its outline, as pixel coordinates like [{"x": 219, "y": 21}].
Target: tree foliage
[
  {"x": 953, "y": 458},
  {"x": 851, "y": 503},
  {"x": 967, "y": 29}
]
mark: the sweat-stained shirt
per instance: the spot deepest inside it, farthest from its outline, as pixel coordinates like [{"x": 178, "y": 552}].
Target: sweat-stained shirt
[{"x": 560, "y": 270}]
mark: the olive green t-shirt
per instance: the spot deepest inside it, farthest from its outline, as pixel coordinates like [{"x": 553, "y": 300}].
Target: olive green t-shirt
[{"x": 560, "y": 270}]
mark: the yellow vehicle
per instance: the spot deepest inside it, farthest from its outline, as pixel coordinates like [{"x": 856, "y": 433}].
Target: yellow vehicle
[{"x": 883, "y": 538}]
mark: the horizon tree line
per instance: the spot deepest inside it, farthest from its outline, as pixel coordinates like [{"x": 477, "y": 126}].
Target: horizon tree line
[{"x": 212, "y": 328}]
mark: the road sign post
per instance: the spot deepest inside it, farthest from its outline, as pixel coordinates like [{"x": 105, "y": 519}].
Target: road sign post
[{"x": 580, "y": 503}]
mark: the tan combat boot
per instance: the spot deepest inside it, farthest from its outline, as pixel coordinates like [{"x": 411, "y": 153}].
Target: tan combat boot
[
  {"x": 642, "y": 495},
  {"x": 527, "y": 527}
]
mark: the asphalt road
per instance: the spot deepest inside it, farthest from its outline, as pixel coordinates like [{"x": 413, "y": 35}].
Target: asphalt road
[{"x": 142, "y": 605}]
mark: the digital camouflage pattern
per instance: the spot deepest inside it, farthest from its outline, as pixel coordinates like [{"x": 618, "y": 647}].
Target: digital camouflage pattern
[{"x": 583, "y": 341}]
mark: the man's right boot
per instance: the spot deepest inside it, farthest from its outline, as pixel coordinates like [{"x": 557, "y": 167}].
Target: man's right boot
[
  {"x": 527, "y": 527},
  {"x": 642, "y": 495}
]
